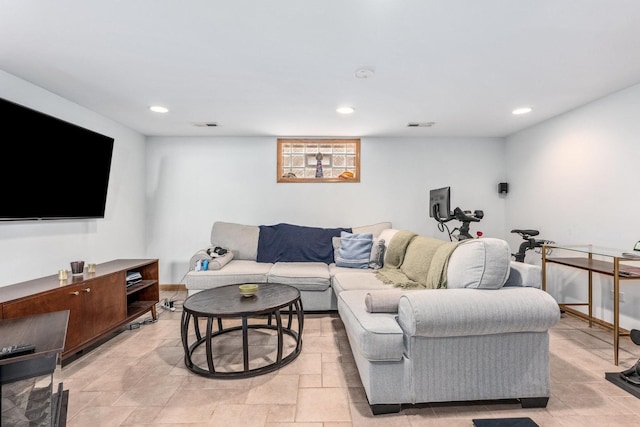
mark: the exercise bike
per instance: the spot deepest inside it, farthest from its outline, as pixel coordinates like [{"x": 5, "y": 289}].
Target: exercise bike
[
  {"x": 466, "y": 217},
  {"x": 530, "y": 243}
]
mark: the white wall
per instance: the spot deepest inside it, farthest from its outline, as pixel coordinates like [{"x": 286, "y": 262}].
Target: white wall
[
  {"x": 575, "y": 179},
  {"x": 194, "y": 181},
  {"x": 571, "y": 177},
  {"x": 32, "y": 249}
]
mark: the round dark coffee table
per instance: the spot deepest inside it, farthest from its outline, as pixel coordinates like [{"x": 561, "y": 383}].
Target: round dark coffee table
[{"x": 270, "y": 301}]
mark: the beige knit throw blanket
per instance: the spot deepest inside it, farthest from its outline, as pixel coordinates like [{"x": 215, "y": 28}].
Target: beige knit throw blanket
[
  {"x": 437, "y": 276},
  {"x": 414, "y": 261},
  {"x": 397, "y": 248}
]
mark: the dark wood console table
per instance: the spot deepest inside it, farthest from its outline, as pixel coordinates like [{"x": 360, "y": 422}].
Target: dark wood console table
[
  {"x": 99, "y": 303},
  {"x": 608, "y": 265}
]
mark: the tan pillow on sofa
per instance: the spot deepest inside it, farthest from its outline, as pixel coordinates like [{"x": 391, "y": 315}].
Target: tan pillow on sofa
[{"x": 383, "y": 300}]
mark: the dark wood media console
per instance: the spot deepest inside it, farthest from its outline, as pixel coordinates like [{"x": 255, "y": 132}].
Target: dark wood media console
[{"x": 99, "y": 303}]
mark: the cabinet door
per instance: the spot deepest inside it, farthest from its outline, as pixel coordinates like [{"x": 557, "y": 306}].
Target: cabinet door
[
  {"x": 104, "y": 303},
  {"x": 65, "y": 298}
]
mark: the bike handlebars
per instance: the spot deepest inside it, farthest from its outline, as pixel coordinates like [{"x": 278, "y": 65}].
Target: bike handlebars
[{"x": 465, "y": 216}]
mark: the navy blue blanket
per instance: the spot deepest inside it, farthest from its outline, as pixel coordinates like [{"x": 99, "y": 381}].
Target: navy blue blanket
[{"x": 296, "y": 243}]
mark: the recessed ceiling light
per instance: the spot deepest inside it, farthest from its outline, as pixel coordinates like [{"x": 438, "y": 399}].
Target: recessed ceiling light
[
  {"x": 364, "y": 73},
  {"x": 158, "y": 109},
  {"x": 345, "y": 109},
  {"x": 420, "y": 124},
  {"x": 521, "y": 110},
  {"x": 206, "y": 124}
]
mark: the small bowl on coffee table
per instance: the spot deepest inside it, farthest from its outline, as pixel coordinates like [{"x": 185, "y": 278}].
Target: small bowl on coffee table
[{"x": 248, "y": 290}]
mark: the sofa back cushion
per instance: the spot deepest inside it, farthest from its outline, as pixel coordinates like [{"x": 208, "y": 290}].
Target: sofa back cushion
[
  {"x": 479, "y": 263},
  {"x": 374, "y": 229},
  {"x": 241, "y": 239},
  {"x": 296, "y": 243}
]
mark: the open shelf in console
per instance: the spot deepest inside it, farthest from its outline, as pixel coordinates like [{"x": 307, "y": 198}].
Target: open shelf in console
[
  {"x": 138, "y": 308},
  {"x": 143, "y": 295},
  {"x": 139, "y": 286}
]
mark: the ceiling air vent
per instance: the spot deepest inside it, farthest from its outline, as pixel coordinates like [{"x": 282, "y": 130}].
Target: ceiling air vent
[
  {"x": 420, "y": 124},
  {"x": 206, "y": 124}
]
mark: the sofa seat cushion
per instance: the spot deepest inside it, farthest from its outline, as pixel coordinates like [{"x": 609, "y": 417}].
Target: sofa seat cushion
[
  {"x": 235, "y": 272},
  {"x": 308, "y": 276},
  {"x": 355, "y": 279},
  {"x": 334, "y": 269},
  {"x": 377, "y": 336}
]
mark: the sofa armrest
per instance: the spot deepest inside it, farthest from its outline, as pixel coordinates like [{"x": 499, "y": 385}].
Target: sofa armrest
[
  {"x": 463, "y": 312},
  {"x": 215, "y": 263},
  {"x": 521, "y": 274},
  {"x": 200, "y": 255}
]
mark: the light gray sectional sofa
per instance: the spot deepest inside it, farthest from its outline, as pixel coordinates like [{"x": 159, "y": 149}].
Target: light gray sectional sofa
[{"x": 481, "y": 333}]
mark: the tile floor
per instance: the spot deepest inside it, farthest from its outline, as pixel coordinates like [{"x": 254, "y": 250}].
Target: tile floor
[{"x": 138, "y": 378}]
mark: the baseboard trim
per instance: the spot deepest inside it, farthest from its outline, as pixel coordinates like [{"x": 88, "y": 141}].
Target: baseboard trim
[
  {"x": 173, "y": 288},
  {"x": 598, "y": 322}
]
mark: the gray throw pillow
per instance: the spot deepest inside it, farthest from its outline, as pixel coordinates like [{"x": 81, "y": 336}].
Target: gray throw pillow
[
  {"x": 336, "y": 247},
  {"x": 377, "y": 255}
]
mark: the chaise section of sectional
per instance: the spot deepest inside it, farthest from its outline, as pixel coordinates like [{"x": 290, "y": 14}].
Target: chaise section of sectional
[
  {"x": 448, "y": 345},
  {"x": 377, "y": 345},
  {"x": 479, "y": 344}
]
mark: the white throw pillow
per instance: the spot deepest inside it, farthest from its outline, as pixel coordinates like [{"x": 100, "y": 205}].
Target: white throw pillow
[{"x": 479, "y": 263}]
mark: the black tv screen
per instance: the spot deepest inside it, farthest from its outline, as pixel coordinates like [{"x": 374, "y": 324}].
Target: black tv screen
[{"x": 52, "y": 169}]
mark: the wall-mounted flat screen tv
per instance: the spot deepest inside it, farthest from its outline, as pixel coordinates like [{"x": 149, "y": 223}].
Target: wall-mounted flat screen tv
[{"x": 51, "y": 169}]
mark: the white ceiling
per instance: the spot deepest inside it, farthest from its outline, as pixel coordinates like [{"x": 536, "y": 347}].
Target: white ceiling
[{"x": 281, "y": 67}]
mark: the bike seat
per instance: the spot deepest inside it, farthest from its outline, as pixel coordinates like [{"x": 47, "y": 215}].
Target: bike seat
[{"x": 526, "y": 232}]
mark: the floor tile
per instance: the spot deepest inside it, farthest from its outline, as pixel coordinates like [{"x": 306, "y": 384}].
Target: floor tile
[{"x": 323, "y": 404}]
